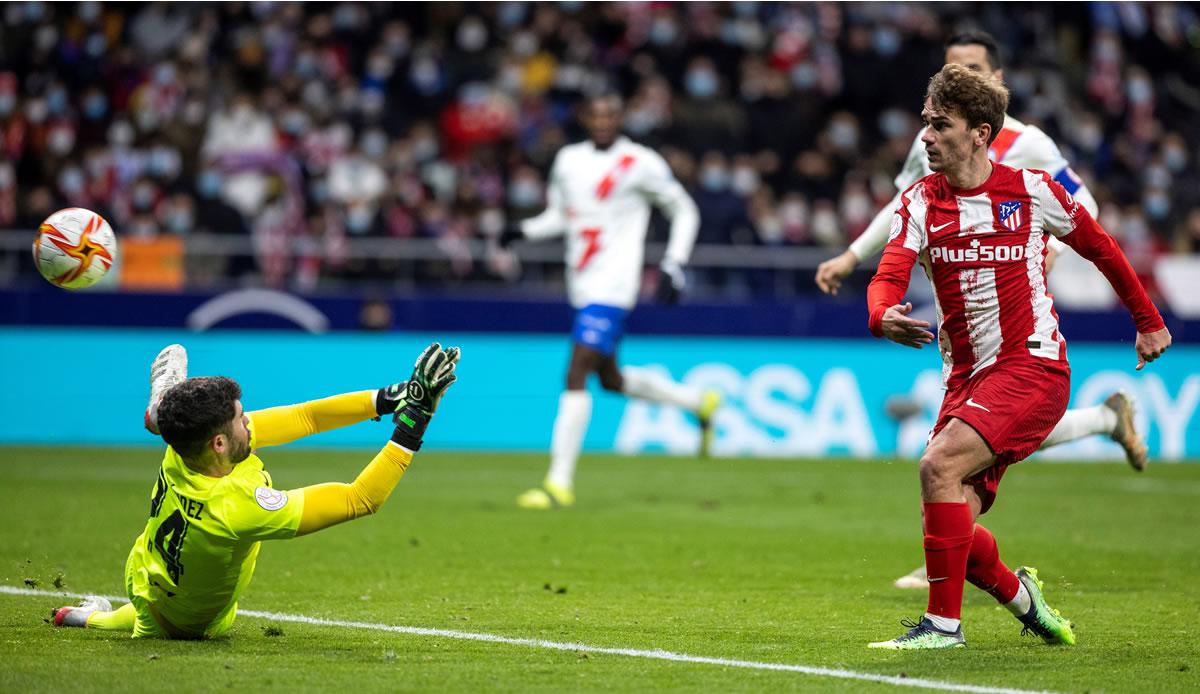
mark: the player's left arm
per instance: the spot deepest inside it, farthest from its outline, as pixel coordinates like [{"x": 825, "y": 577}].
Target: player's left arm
[
  {"x": 1068, "y": 220},
  {"x": 663, "y": 191},
  {"x": 279, "y": 425}
]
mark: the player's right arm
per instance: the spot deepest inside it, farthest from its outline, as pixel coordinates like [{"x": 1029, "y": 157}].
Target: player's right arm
[
  {"x": 326, "y": 505},
  {"x": 888, "y": 317},
  {"x": 831, "y": 272}
]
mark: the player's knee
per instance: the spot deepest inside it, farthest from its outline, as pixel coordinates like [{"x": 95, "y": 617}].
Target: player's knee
[
  {"x": 936, "y": 471},
  {"x": 612, "y": 382}
]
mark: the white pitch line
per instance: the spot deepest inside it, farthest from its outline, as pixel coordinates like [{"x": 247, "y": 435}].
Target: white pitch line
[{"x": 584, "y": 648}]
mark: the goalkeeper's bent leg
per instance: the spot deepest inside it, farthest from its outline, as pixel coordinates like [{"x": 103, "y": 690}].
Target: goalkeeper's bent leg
[{"x": 120, "y": 619}]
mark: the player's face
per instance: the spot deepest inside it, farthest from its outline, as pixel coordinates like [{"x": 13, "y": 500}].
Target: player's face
[
  {"x": 603, "y": 121},
  {"x": 972, "y": 56},
  {"x": 948, "y": 140},
  {"x": 239, "y": 440}
]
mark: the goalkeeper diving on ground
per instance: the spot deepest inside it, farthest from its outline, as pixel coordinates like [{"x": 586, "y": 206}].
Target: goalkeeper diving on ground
[{"x": 214, "y": 503}]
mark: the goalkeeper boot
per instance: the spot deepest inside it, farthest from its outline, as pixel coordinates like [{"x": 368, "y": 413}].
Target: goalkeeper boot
[
  {"x": 168, "y": 369},
  {"x": 1125, "y": 433},
  {"x": 709, "y": 404},
  {"x": 1041, "y": 619},
  {"x": 547, "y": 496},
  {"x": 923, "y": 636},
  {"x": 77, "y": 615},
  {"x": 917, "y": 578}
]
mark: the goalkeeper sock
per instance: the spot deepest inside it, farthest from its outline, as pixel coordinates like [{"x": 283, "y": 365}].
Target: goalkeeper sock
[
  {"x": 574, "y": 413},
  {"x": 648, "y": 384},
  {"x": 1078, "y": 423}
]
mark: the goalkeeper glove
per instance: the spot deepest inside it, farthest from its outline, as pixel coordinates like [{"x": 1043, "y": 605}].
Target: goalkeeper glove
[
  {"x": 413, "y": 402},
  {"x": 671, "y": 282}
]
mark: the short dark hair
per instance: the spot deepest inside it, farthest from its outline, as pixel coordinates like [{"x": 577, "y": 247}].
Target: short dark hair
[
  {"x": 974, "y": 96},
  {"x": 977, "y": 38},
  {"x": 194, "y": 411}
]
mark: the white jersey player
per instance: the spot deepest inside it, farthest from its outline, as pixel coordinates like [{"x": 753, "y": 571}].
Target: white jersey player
[
  {"x": 599, "y": 197},
  {"x": 1020, "y": 146}
]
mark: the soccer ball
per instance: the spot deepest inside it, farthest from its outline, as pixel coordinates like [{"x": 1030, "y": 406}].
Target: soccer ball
[{"x": 74, "y": 248}]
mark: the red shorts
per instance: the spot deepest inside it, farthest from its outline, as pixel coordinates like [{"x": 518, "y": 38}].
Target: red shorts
[{"x": 1014, "y": 406}]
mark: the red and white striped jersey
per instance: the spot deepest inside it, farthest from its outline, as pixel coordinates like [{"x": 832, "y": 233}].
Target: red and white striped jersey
[
  {"x": 1018, "y": 145},
  {"x": 984, "y": 252},
  {"x": 600, "y": 200}
]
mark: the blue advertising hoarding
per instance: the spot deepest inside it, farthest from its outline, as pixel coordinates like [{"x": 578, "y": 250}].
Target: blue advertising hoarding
[{"x": 785, "y": 397}]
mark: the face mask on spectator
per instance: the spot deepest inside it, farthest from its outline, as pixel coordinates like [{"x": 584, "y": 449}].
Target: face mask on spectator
[
  {"x": 6, "y": 175},
  {"x": 701, "y": 83},
  {"x": 318, "y": 190},
  {"x": 472, "y": 36},
  {"x": 7, "y": 103},
  {"x": 1089, "y": 136},
  {"x": 164, "y": 73},
  {"x": 35, "y": 111},
  {"x": 524, "y": 193},
  {"x": 209, "y": 184},
  {"x": 714, "y": 178},
  {"x": 96, "y": 45},
  {"x": 164, "y": 162},
  {"x": 71, "y": 181},
  {"x": 306, "y": 65},
  {"x": 893, "y": 123},
  {"x": 143, "y": 197},
  {"x": 179, "y": 221},
  {"x": 745, "y": 180},
  {"x": 424, "y": 148},
  {"x": 663, "y": 31},
  {"x": 374, "y": 144},
  {"x": 56, "y": 101},
  {"x": 89, "y": 11},
  {"x": 1157, "y": 204},
  {"x": 95, "y": 105},
  {"x": 61, "y": 140},
  {"x": 358, "y": 219},
  {"x": 843, "y": 135},
  {"x": 1140, "y": 91},
  {"x": 640, "y": 121},
  {"x": 294, "y": 122},
  {"x": 1176, "y": 158},
  {"x": 804, "y": 76}
]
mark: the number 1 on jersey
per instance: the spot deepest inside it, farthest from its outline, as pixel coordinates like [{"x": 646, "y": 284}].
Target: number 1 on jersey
[{"x": 591, "y": 237}]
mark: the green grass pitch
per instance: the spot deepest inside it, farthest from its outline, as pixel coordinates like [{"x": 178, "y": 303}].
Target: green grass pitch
[{"x": 779, "y": 561}]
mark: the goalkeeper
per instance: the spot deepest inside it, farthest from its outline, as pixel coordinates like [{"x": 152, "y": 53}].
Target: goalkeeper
[{"x": 213, "y": 503}]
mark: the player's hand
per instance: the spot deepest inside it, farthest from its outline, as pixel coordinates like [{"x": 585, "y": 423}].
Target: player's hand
[
  {"x": 898, "y": 327},
  {"x": 671, "y": 282},
  {"x": 831, "y": 272},
  {"x": 413, "y": 402},
  {"x": 1150, "y": 346},
  {"x": 511, "y": 234}
]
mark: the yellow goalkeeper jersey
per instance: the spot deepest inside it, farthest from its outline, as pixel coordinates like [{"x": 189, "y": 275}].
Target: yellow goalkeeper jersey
[{"x": 197, "y": 553}]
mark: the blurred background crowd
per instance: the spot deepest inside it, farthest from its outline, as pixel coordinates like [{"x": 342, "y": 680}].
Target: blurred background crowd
[{"x": 290, "y": 130}]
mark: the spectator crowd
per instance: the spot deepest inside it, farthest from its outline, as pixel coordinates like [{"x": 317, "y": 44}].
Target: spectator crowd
[{"x": 299, "y": 127}]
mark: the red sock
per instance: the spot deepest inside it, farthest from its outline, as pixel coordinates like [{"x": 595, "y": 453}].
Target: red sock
[
  {"x": 986, "y": 571},
  {"x": 948, "y": 531}
]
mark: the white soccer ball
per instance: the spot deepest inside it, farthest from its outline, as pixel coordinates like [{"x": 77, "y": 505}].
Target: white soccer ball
[{"x": 74, "y": 248}]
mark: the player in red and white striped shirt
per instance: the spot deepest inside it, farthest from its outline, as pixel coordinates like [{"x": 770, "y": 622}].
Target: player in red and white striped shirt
[{"x": 980, "y": 231}]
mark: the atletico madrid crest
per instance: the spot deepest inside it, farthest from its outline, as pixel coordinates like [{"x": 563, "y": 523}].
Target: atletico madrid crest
[{"x": 1010, "y": 214}]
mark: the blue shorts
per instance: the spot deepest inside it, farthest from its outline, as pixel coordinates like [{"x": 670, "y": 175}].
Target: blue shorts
[{"x": 599, "y": 327}]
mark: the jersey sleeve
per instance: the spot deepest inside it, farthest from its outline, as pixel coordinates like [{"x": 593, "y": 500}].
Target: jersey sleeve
[
  {"x": 906, "y": 240},
  {"x": 553, "y": 220},
  {"x": 252, "y": 512},
  {"x": 279, "y": 425},
  {"x": 1065, "y": 218},
  {"x": 663, "y": 191}
]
